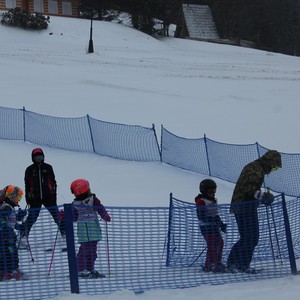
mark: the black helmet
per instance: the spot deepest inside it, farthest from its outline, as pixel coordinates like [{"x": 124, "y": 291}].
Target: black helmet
[{"x": 207, "y": 184}]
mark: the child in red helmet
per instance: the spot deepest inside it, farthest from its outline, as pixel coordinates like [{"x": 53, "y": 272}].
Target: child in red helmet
[
  {"x": 9, "y": 257},
  {"x": 210, "y": 225},
  {"x": 86, "y": 209}
]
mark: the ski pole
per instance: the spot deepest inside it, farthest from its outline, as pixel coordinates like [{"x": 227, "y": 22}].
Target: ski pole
[
  {"x": 53, "y": 250},
  {"x": 198, "y": 256},
  {"x": 20, "y": 236},
  {"x": 27, "y": 238},
  {"x": 276, "y": 235},
  {"x": 275, "y": 229},
  {"x": 270, "y": 235},
  {"x": 29, "y": 248},
  {"x": 107, "y": 248},
  {"x": 165, "y": 243},
  {"x": 25, "y": 213}
]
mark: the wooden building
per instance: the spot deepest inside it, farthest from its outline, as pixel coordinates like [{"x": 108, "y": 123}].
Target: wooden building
[{"x": 66, "y": 8}]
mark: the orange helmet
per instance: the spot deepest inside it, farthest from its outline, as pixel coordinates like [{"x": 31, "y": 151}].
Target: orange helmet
[
  {"x": 13, "y": 193},
  {"x": 79, "y": 187}
]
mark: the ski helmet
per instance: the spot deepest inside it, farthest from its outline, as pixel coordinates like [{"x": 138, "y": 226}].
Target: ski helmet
[
  {"x": 207, "y": 184},
  {"x": 37, "y": 155},
  {"x": 79, "y": 187},
  {"x": 13, "y": 193}
]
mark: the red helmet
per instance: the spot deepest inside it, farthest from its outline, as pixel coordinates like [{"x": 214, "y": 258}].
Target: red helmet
[
  {"x": 37, "y": 155},
  {"x": 79, "y": 187}
]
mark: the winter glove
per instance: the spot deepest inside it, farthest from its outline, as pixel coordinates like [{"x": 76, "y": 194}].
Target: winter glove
[
  {"x": 223, "y": 227},
  {"x": 267, "y": 199},
  {"x": 103, "y": 213},
  {"x": 106, "y": 217},
  {"x": 29, "y": 198},
  {"x": 53, "y": 198},
  {"x": 61, "y": 215},
  {"x": 21, "y": 214}
]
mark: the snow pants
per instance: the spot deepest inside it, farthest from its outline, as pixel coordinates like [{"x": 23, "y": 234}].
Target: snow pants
[
  {"x": 241, "y": 253},
  {"x": 87, "y": 256},
  {"x": 215, "y": 244},
  {"x": 9, "y": 257},
  {"x": 33, "y": 214}
]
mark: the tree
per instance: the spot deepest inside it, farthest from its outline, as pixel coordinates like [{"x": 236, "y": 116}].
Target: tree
[{"x": 271, "y": 24}]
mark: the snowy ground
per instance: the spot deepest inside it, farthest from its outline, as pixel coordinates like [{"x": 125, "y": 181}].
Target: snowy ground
[{"x": 231, "y": 94}]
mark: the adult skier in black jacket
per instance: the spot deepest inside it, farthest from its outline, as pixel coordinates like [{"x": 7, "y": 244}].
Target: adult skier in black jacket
[{"x": 40, "y": 189}]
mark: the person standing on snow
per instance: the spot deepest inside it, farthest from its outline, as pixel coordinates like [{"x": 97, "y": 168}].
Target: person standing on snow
[
  {"x": 86, "y": 208},
  {"x": 210, "y": 226},
  {"x": 247, "y": 196},
  {"x": 10, "y": 197},
  {"x": 40, "y": 189}
]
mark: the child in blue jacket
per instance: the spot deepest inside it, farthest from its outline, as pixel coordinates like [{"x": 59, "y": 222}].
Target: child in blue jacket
[{"x": 9, "y": 257}]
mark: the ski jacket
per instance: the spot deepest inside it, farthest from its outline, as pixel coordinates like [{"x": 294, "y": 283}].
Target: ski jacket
[
  {"x": 86, "y": 215},
  {"x": 207, "y": 212},
  {"x": 251, "y": 180},
  {"x": 7, "y": 215},
  {"x": 9, "y": 259},
  {"x": 40, "y": 184}
]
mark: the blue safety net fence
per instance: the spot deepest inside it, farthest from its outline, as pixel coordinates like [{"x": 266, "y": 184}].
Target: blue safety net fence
[
  {"x": 85, "y": 134},
  {"x": 137, "y": 143},
  {"x": 226, "y": 161},
  {"x": 149, "y": 248},
  {"x": 274, "y": 256}
]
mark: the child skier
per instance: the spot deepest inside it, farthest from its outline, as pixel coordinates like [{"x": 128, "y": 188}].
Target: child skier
[
  {"x": 10, "y": 197},
  {"x": 210, "y": 226},
  {"x": 86, "y": 209}
]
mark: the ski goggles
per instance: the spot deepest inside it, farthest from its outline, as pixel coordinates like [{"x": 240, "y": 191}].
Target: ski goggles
[
  {"x": 38, "y": 158},
  {"x": 274, "y": 169}
]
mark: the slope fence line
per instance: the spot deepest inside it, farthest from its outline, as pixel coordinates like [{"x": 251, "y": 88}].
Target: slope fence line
[{"x": 137, "y": 143}]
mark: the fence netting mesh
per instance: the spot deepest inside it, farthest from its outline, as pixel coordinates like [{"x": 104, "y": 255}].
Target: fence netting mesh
[
  {"x": 137, "y": 143},
  {"x": 187, "y": 247},
  {"x": 149, "y": 248}
]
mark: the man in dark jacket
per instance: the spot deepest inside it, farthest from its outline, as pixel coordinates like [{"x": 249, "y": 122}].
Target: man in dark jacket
[
  {"x": 40, "y": 189},
  {"x": 245, "y": 200}
]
